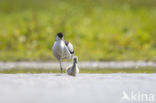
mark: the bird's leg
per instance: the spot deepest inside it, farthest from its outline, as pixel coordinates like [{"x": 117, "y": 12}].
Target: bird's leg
[{"x": 61, "y": 66}]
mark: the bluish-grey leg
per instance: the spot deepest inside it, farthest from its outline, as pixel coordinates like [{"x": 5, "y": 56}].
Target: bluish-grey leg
[{"x": 61, "y": 66}]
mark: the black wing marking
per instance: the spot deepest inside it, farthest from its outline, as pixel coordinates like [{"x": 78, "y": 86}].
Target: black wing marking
[
  {"x": 66, "y": 42},
  {"x": 69, "y": 46}
]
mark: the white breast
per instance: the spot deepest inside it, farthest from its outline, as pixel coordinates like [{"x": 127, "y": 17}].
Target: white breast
[{"x": 60, "y": 50}]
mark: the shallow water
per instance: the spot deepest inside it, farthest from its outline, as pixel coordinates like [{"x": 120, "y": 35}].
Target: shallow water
[
  {"x": 86, "y": 88},
  {"x": 90, "y": 65}
]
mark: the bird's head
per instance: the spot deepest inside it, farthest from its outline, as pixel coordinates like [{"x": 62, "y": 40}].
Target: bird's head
[
  {"x": 75, "y": 59},
  {"x": 59, "y": 36}
]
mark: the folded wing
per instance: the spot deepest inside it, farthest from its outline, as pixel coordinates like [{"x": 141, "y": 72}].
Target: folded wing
[{"x": 69, "y": 50}]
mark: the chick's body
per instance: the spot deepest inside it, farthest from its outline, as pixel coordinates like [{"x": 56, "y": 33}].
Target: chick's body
[{"x": 73, "y": 69}]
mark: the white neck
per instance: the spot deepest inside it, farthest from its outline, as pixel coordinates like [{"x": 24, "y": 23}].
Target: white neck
[{"x": 57, "y": 38}]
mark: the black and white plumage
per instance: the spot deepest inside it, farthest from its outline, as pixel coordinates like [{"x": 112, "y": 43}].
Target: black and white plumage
[
  {"x": 62, "y": 49},
  {"x": 73, "y": 69}
]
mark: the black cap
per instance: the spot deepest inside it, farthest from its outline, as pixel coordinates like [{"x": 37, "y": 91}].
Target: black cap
[{"x": 60, "y": 34}]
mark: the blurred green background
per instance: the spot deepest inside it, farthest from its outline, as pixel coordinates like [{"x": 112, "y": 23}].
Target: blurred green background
[{"x": 100, "y": 30}]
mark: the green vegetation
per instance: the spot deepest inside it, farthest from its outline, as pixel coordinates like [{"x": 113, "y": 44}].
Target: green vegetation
[
  {"x": 140, "y": 70},
  {"x": 145, "y": 70},
  {"x": 100, "y": 30}
]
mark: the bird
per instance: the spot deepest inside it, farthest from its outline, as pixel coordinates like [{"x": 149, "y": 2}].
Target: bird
[
  {"x": 62, "y": 49},
  {"x": 73, "y": 69}
]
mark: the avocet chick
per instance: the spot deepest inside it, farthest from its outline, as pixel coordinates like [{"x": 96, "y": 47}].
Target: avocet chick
[{"x": 73, "y": 69}]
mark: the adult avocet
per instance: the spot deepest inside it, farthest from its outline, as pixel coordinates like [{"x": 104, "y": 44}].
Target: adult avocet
[
  {"x": 62, "y": 49},
  {"x": 73, "y": 69}
]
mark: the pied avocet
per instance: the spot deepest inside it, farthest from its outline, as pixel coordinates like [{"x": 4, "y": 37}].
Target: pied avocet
[{"x": 62, "y": 49}]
